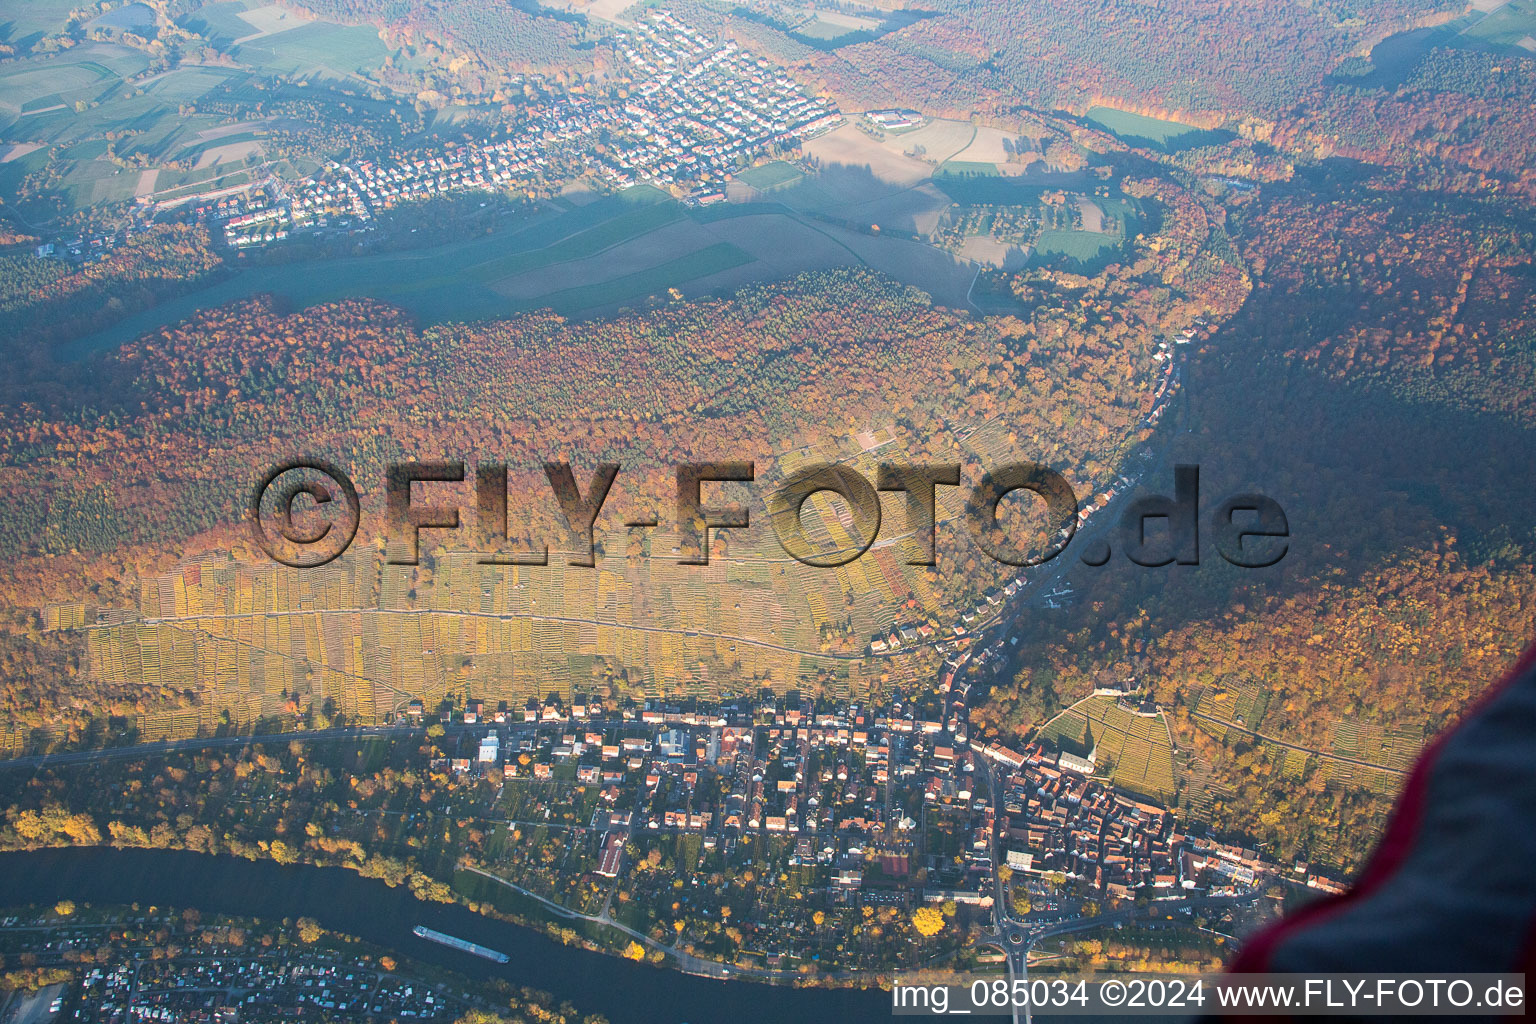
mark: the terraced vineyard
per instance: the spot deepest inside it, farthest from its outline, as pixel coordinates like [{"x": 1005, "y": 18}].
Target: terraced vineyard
[
  {"x": 1131, "y": 748},
  {"x": 363, "y": 638}
]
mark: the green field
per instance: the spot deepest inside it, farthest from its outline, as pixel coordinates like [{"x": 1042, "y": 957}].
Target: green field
[
  {"x": 221, "y": 22},
  {"x": 200, "y": 178},
  {"x": 135, "y": 17},
  {"x": 96, "y": 181},
  {"x": 968, "y": 167},
  {"x": 771, "y": 176},
  {"x": 630, "y": 287},
  {"x": 22, "y": 24},
  {"x": 1153, "y": 132},
  {"x": 1082, "y": 246},
  {"x": 1507, "y": 26},
  {"x": 1069, "y": 732},
  {"x": 42, "y": 94},
  {"x": 824, "y": 30},
  {"x": 458, "y": 281},
  {"x": 319, "y": 49},
  {"x": 1007, "y": 190},
  {"x": 35, "y": 84},
  {"x": 1138, "y": 126},
  {"x": 188, "y": 83}
]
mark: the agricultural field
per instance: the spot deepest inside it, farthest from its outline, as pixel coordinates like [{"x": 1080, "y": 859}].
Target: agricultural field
[
  {"x": 1513, "y": 26},
  {"x": 887, "y": 160},
  {"x": 241, "y": 21},
  {"x": 84, "y": 74},
  {"x": 776, "y": 240},
  {"x": 701, "y": 265},
  {"x": 1243, "y": 702},
  {"x": 1007, "y": 190},
  {"x": 824, "y": 28},
  {"x": 1038, "y": 227},
  {"x": 936, "y": 141},
  {"x": 995, "y": 147},
  {"x": 938, "y": 273},
  {"x": 25, "y": 23},
  {"x": 1086, "y": 229},
  {"x": 317, "y": 50},
  {"x": 1395, "y": 748},
  {"x": 499, "y": 634},
  {"x": 456, "y": 280},
  {"x": 617, "y": 11},
  {"x": 134, "y": 17},
  {"x": 364, "y": 638},
  {"x": 149, "y": 112},
  {"x": 101, "y": 120},
  {"x": 576, "y": 259},
  {"x": 990, "y": 251}
]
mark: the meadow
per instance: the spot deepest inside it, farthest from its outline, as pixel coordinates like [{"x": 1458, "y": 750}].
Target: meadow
[
  {"x": 1081, "y": 246},
  {"x": 234, "y": 20},
  {"x": 319, "y": 49},
  {"x": 84, "y": 73},
  {"x": 1154, "y": 132},
  {"x": 368, "y": 636},
  {"x": 70, "y": 104},
  {"x": 576, "y": 259},
  {"x": 1007, "y": 190},
  {"x": 454, "y": 281},
  {"x": 627, "y": 288},
  {"x": 770, "y": 176},
  {"x": 1513, "y": 26},
  {"x": 25, "y": 23},
  {"x": 962, "y": 168}
]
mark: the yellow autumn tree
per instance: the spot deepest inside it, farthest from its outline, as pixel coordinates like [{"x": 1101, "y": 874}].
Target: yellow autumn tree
[{"x": 928, "y": 921}]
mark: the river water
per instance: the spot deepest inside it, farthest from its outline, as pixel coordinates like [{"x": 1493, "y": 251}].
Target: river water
[{"x": 623, "y": 991}]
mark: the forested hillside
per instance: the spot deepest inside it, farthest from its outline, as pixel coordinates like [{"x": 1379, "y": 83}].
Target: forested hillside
[{"x": 1378, "y": 384}]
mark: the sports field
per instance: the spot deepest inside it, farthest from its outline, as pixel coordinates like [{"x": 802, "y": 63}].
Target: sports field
[{"x": 768, "y": 177}]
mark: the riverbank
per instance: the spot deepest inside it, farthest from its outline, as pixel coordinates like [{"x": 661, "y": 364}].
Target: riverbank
[{"x": 342, "y": 901}]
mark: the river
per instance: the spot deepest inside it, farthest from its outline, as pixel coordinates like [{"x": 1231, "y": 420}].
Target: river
[{"x": 623, "y": 991}]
